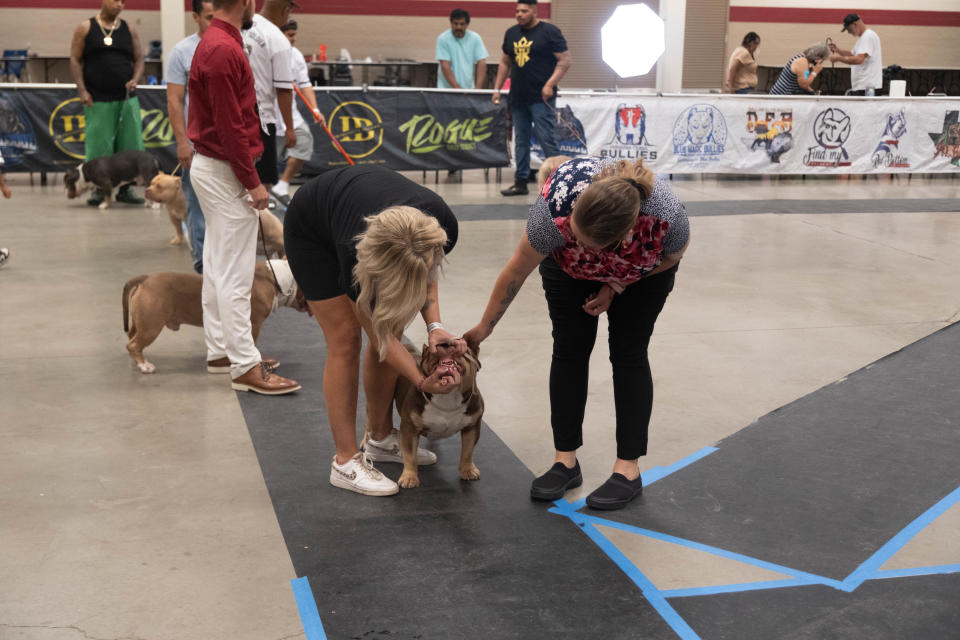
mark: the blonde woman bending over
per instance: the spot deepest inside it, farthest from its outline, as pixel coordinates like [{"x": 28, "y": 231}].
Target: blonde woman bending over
[
  {"x": 608, "y": 237},
  {"x": 365, "y": 245}
]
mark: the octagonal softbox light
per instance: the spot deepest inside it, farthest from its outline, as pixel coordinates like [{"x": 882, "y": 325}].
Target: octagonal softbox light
[{"x": 632, "y": 40}]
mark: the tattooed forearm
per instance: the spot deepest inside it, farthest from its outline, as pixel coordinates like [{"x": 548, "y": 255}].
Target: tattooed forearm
[
  {"x": 429, "y": 303},
  {"x": 513, "y": 288}
]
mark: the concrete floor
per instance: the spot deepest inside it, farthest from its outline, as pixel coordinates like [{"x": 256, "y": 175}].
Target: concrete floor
[{"x": 133, "y": 505}]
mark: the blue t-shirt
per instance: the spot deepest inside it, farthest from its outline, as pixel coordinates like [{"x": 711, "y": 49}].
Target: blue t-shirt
[
  {"x": 178, "y": 67},
  {"x": 463, "y": 54},
  {"x": 532, "y": 53}
]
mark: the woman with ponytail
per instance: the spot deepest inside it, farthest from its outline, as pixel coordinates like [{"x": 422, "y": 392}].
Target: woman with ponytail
[
  {"x": 607, "y": 236},
  {"x": 365, "y": 246}
]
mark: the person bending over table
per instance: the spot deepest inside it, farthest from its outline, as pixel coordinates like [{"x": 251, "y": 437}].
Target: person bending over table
[
  {"x": 365, "y": 245},
  {"x": 608, "y": 237}
]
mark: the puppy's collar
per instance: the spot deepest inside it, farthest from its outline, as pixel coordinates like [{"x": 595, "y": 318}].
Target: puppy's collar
[{"x": 288, "y": 286}]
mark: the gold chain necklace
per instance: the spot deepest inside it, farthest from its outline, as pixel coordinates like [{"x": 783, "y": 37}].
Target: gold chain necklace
[{"x": 108, "y": 37}]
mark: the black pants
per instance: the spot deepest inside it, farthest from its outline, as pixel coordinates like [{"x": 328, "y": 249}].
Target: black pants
[
  {"x": 631, "y": 317},
  {"x": 267, "y": 166}
]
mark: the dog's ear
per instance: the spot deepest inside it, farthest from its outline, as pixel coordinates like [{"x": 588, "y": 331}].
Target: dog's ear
[{"x": 178, "y": 179}]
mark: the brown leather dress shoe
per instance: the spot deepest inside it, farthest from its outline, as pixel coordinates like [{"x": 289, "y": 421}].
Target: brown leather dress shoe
[
  {"x": 260, "y": 380},
  {"x": 222, "y": 365}
]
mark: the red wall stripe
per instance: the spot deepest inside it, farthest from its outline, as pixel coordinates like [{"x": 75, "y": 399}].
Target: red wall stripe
[
  {"x": 835, "y": 16},
  {"x": 414, "y": 8}
]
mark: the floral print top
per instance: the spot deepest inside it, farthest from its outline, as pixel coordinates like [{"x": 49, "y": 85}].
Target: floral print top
[{"x": 662, "y": 227}]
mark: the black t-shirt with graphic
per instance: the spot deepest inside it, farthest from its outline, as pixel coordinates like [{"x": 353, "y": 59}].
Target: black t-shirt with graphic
[{"x": 531, "y": 51}]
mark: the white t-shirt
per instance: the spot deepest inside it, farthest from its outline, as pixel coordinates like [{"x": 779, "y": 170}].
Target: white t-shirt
[
  {"x": 870, "y": 73},
  {"x": 269, "y": 53},
  {"x": 298, "y": 66}
]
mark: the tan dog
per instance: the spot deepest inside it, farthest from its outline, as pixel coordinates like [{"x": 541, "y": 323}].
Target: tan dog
[
  {"x": 548, "y": 167},
  {"x": 168, "y": 191},
  {"x": 441, "y": 415},
  {"x": 272, "y": 235},
  {"x": 152, "y": 302}
]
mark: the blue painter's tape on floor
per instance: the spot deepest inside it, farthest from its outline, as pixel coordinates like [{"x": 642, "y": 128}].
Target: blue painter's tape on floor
[
  {"x": 742, "y": 586},
  {"x": 869, "y": 568},
  {"x": 808, "y": 578},
  {"x": 309, "y": 616},
  {"x": 650, "y": 591},
  {"x": 653, "y": 474},
  {"x": 917, "y": 571}
]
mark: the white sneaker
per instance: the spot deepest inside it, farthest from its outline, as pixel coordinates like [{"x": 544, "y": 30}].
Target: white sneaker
[
  {"x": 388, "y": 450},
  {"x": 4, "y": 256},
  {"x": 358, "y": 474}
]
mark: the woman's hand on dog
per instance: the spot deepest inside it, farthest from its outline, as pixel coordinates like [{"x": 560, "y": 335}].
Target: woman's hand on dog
[
  {"x": 442, "y": 380},
  {"x": 452, "y": 346},
  {"x": 600, "y": 301},
  {"x": 475, "y": 336}
]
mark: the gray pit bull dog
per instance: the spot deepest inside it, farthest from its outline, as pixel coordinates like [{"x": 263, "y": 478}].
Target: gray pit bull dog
[
  {"x": 108, "y": 172},
  {"x": 152, "y": 302},
  {"x": 441, "y": 415}
]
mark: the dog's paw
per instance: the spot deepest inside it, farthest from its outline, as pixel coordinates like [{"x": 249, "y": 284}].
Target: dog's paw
[
  {"x": 470, "y": 473},
  {"x": 104, "y": 206},
  {"x": 146, "y": 367},
  {"x": 408, "y": 480},
  {"x": 177, "y": 240}
]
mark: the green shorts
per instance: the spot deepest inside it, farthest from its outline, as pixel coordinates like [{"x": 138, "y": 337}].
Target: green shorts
[{"x": 111, "y": 127}]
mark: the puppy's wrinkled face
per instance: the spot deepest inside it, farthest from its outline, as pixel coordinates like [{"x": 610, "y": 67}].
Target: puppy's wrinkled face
[
  {"x": 163, "y": 188},
  {"x": 467, "y": 364},
  {"x": 73, "y": 179}
]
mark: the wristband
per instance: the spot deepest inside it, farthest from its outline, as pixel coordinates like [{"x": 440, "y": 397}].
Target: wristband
[{"x": 433, "y": 326}]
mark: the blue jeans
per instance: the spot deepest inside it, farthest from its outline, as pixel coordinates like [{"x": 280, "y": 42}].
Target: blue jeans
[
  {"x": 195, "y": 223},
  {"x": 538, "y": 119}
]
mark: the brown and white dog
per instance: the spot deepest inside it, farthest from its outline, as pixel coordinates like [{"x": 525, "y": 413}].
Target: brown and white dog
[
  {"x": 152, "y": 302},
  {"x": 108, "y": 172},
  {"x": 439, "y": 415}
]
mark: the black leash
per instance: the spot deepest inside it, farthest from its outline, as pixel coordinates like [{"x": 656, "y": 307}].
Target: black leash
[{"x": 263, "y": 241}]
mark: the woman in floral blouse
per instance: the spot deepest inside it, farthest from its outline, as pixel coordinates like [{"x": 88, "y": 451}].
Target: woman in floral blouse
[{"x": 608, "y": 236}]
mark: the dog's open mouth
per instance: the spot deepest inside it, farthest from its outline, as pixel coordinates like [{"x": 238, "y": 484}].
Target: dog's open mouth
[{"x": 448, "y": 366}]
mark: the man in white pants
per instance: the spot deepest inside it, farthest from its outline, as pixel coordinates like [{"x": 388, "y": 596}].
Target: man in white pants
[{"x": 225, "y": 131}]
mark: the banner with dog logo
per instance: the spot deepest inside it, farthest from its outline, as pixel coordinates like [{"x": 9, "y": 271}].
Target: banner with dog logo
[
  {"x": 42, "y": 129},
  {"x": 761, "y": 134}
]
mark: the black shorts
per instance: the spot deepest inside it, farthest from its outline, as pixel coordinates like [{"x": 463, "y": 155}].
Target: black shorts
[
  {"x": 316, "y": 265},
  {"x": 267, "y": 167}
]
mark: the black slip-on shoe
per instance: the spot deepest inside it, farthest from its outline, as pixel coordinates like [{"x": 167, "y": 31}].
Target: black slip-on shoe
[
  {"x": 516, "y": 189},
  {"x": 615, "y": 493},
  {"x": 127, "y": 195},
  {"x": 95, "y": 198},
  {"x": 555, "y": 482}
]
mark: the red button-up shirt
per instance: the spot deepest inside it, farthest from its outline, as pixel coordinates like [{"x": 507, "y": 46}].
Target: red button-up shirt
[{"x": 223, "y": 121}]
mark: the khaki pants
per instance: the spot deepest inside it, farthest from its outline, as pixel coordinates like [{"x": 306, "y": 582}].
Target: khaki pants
[{"x": 229, "y": 258}]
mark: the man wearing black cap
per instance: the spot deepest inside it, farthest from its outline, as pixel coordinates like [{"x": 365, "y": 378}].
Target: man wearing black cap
[{"x": 866, "y": 63}]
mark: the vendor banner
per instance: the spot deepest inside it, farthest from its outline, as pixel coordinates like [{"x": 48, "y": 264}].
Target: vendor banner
[
  {"x": 42, "y": 129},
  {"x": 409, "y": 130},
  {"x": 762, "y": 134}
]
